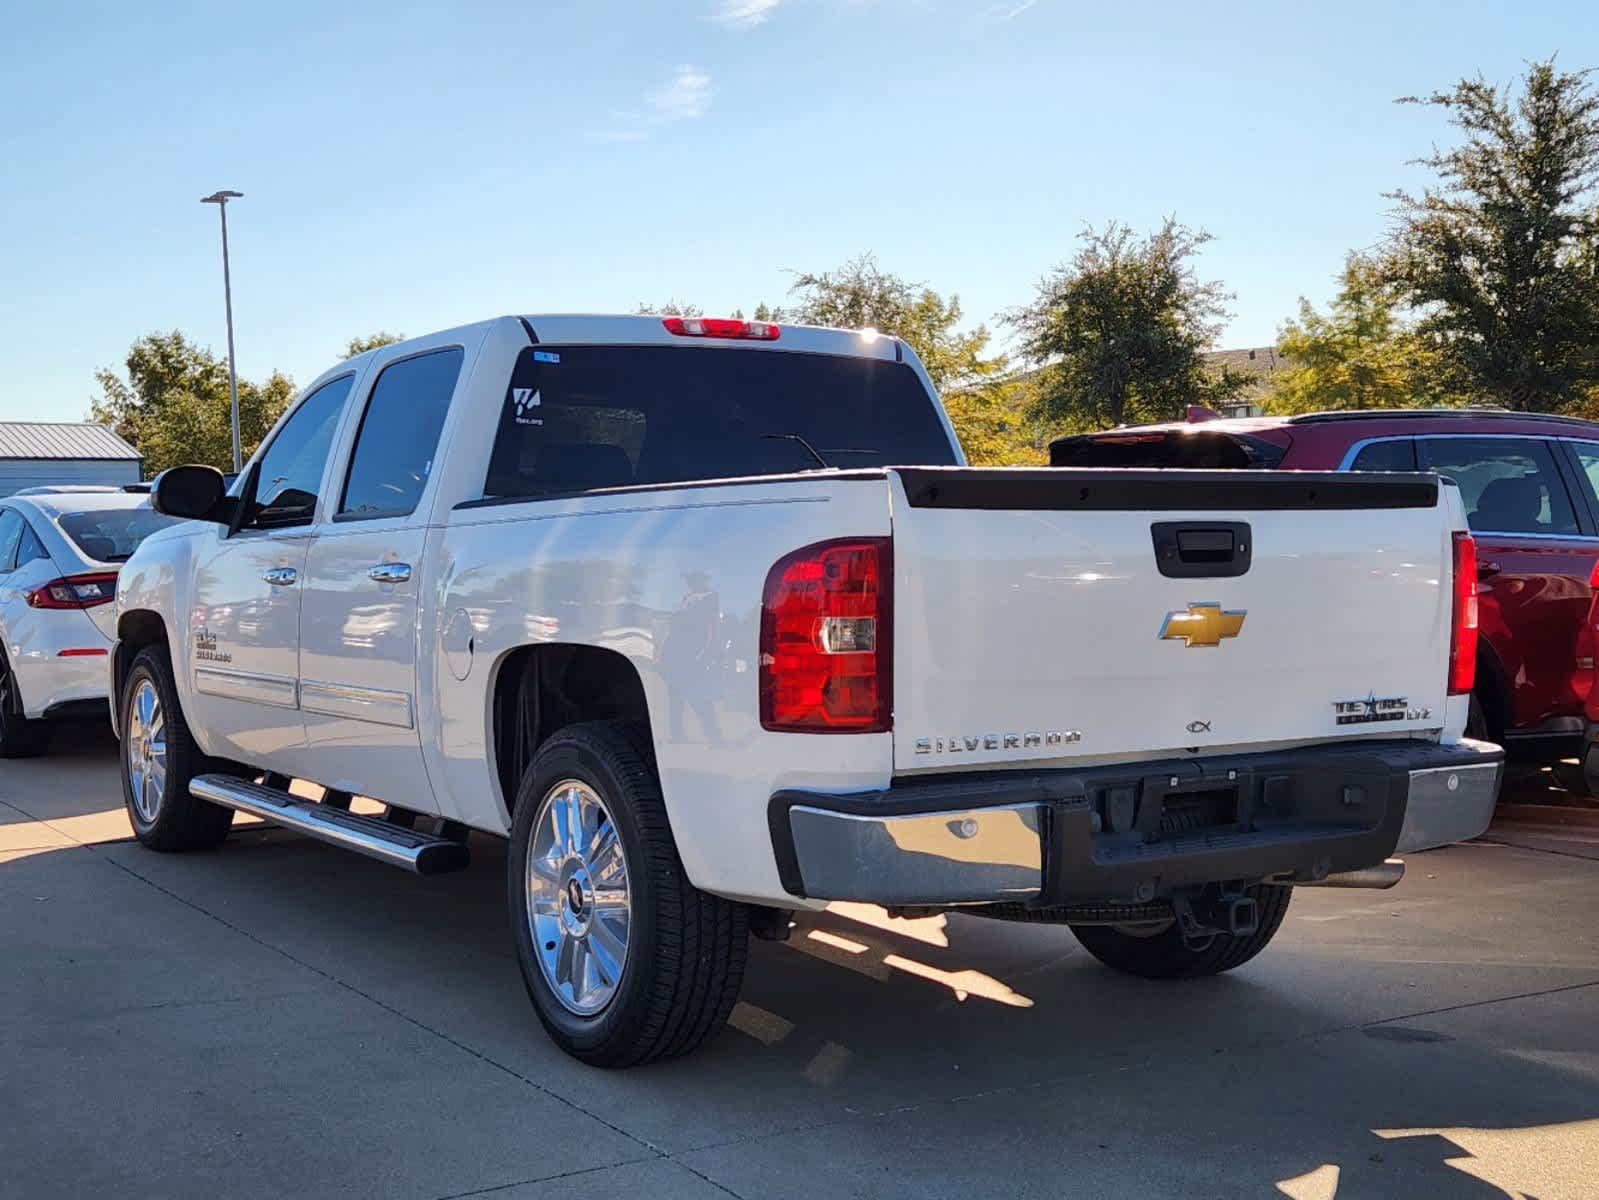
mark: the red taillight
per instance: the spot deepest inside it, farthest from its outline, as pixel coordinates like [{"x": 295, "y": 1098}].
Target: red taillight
[
  {"x": 76, "y": 591},
  {"x": 1463, "y": 625},
  {"x": 721, "y": 327},
  {"x": 826, "y": 644}
]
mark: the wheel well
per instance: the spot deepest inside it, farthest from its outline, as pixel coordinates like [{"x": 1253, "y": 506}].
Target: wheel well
[
  {"x": 135, "y": 631},
  {"x": 1493, "y": 691},
  {"x": 541, "y": 689}
]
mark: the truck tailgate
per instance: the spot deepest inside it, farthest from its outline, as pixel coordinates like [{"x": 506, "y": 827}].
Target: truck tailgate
[{"x": 1033, "y": 622}]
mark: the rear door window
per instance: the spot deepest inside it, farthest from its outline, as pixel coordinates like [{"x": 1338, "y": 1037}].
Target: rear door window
[
  {"x": 1391, "y": 454},
  {"x": 11, "y": 527},
  {"x": 579, "y": 418},
  {"x": 30, "y": 548},
  {"x": 1509, "y": 485},
  {"x": 399, "y": 435}
]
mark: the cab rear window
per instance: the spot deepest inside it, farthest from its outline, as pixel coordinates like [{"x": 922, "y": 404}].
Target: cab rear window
[{"x": 578, "y": 418}]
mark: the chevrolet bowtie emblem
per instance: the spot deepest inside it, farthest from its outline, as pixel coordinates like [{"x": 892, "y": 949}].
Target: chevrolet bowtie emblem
[{"x": 1202, "y": 624}]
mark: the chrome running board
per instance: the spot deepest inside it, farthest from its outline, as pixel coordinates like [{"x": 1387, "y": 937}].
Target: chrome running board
[{"x": 420, "y": 853}]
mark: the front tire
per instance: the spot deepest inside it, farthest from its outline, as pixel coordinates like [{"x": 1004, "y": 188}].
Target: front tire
[
  {"x": 1165, "y": 954},
  {"x": 624, "y": 959},
  {"x": 159, "y": 757}
]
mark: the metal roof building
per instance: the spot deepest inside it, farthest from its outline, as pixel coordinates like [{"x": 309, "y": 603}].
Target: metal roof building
[{"x": 38, "y": 454}]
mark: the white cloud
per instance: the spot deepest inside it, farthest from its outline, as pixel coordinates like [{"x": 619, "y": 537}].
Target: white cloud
[
  {"x": 686, "y": 96},
  {"x": 744, "y": 14}
]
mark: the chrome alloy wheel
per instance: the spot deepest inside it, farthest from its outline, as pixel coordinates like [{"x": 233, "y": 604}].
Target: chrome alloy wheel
[
  {"x": 145, "y": 751},
  {"x": 580, "y": 908}
]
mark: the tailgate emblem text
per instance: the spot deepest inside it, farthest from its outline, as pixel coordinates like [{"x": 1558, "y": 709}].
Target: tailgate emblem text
[
  {"x": 972, "y": 742},
  {"x": 1203, "y": 624},
  {"x": 1375, "y": 708}
]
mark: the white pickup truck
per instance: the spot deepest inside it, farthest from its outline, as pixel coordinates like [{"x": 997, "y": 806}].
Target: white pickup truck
[{"x": 650, "y": 599}]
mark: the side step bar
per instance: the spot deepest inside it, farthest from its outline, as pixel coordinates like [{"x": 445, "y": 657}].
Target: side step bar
[{"x": 421, "y": 853}]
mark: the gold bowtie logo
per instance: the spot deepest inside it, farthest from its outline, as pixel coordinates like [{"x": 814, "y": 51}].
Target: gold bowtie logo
[{"x": 1202, "y": 625}]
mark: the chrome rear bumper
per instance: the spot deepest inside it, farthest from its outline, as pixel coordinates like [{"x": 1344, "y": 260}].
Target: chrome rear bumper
[
  {"x": 1049, "y": 837},
  {"x": 966, "y": 856},
  {"x": 1453, "y": 803}
]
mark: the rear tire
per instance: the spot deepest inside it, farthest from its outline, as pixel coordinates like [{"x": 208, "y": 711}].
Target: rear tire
[
  {"x": 1165, "y": 955},
  {"x": 159, "y": 757},
  {"x": 624, "y": 959},
  {"x": 19, "y": 737}
]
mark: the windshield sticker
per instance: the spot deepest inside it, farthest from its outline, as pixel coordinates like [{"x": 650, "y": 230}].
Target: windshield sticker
[
  {"x": 548, "y": 356},
  {"x": 525, "y": 400}
]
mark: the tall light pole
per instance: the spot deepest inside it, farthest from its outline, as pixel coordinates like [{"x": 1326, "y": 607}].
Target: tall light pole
[{"x": 220, "y": 199}]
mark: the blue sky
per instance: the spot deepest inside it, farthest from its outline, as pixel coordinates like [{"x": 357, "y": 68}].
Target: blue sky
[{"x": 411, "y": 168}]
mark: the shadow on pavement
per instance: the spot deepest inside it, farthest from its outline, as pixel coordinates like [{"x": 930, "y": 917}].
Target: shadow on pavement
[{"x": 162, "y": 1013}]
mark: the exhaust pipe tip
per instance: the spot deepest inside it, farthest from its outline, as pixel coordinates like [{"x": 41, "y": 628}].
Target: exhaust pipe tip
[{"x": 1380, "y": 877}]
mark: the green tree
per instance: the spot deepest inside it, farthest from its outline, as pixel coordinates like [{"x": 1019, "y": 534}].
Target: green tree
[
  {"x": 982, "y": 398},
  {"x": 861, "y": 295},
  {"x": 1499, "y": 256},
  {"x": 173, "y": 404},
  {"x": 672, "y": 308},
  {"x": 1118, "y": 332},
  {"x": 994, "y": 424},
  {"x": 360, "y": 345},
  {"x": 1361, "y": 353}
]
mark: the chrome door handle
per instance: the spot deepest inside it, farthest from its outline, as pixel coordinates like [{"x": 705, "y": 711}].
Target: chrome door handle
[
  {"x": 389, "y": 572},
  {"x": 1486, "y": 568},
  {"x": 282, "y": 576}
]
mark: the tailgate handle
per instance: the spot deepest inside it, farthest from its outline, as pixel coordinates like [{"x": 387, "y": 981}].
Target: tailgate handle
[{"x": 1202, "y": 549}]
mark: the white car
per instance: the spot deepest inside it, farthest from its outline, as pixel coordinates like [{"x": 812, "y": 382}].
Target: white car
[
  {"x": 653, "y": 600},
  {"x": 60, "y": 549}
]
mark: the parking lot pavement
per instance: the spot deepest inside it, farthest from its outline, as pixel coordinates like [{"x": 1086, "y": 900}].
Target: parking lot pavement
[{"x": 281, "y": 1018}]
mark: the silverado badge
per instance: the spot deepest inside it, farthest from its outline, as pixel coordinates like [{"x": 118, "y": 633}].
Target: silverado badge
[{"x": 1203, "y": 624}]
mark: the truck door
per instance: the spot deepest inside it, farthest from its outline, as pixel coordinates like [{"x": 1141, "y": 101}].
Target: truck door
[
  {"x": 364, "y": 572},
  {"x": 244, "y": 621}
]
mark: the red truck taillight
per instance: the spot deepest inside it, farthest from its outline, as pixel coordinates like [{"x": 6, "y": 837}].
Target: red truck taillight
[
  {"x": 826, "y": 642},
  {"x": 1463, "y": 625}
]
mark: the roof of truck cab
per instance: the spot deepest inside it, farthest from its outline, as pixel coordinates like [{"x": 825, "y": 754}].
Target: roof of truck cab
[{"x": 649, "y": 329}]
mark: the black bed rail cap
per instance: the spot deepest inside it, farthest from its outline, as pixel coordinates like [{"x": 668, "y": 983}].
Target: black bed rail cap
[{"x": 1106, "y": 489}]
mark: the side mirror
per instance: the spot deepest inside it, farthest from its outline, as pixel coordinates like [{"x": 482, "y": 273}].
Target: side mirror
[{"x": 193, "y": 492}]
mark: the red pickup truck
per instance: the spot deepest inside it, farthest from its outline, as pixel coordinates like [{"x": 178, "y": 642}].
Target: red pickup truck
[{"x": 1529, "y": 483}]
